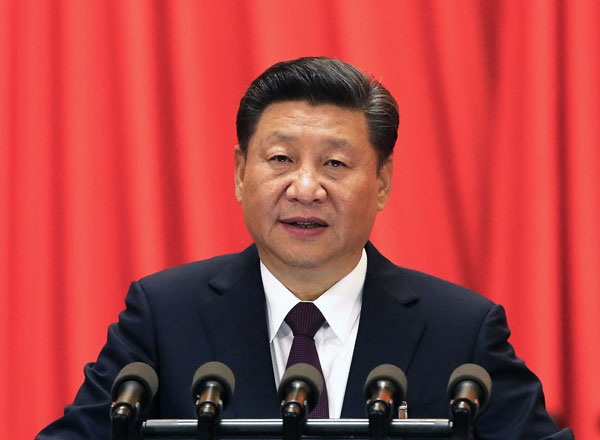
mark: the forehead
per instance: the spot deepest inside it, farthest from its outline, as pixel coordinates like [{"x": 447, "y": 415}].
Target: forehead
[{"x": 291, "y": 121}]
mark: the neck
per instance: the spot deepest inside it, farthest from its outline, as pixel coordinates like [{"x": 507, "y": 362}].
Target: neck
[{"x": 309, "y": 283}]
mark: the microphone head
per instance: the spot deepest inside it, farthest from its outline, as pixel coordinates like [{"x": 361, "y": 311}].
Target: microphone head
[
  {"x": 218, "y": 372},
  {"x": 139, "y": 372},
  {"x": 304, "y": 373},
  {"x": 474, "y": 373},
  {"x": 389, "y": 373}
]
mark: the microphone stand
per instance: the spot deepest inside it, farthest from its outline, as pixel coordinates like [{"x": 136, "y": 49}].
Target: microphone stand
[
  {"x": 122, "y": 416},
  {"x": 208, "y": 411}
]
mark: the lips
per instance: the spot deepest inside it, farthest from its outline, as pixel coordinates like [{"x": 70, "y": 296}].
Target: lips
[{"x": 305, "y": 222}]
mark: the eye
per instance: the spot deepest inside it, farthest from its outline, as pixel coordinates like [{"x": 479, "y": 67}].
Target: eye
[
  {"x": 335, "y": 163},
  {"x": 280, "y": 158}
]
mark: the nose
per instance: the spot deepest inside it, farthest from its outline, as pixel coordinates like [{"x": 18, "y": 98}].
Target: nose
[{"x": 306, "y": 186}]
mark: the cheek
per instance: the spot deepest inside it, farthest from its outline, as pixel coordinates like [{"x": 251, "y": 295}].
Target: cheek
[
  {"x": 356, "y": 207},
  {"x": 360, "y": 195},
  {"x": 259, "y": 198}
]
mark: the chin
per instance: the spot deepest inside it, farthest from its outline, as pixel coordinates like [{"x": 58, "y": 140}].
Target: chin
[{"x": 301, "y": 259}]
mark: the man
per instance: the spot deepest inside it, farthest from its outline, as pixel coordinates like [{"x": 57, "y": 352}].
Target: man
[{"x": 313, "y": 168}]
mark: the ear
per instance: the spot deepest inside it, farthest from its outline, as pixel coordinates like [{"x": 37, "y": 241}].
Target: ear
[
  {"x": 384, "y": 178},
  {"x": 240, "y": 169}
]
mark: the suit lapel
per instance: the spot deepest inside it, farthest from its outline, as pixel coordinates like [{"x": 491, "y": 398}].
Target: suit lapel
[
  {"x": 388, "y": 331},
  {"x": 235, "y": 323}
]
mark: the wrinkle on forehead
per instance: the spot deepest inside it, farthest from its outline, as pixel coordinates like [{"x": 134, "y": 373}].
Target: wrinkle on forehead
[
  {"x": 287, "y": 122},
  {"x": 278, "y": 136}
]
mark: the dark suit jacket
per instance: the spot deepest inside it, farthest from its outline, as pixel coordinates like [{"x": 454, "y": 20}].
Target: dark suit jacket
[{"x": 180, "y": 318}]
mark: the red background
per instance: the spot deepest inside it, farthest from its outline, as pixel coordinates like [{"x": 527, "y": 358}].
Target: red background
[{"x": 116, "y": 136}]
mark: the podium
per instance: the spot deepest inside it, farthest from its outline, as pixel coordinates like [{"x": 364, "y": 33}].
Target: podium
[{"x": 255, "y": 429}]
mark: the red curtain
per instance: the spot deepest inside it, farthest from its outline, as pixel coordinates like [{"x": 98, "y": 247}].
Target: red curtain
[{"x": 116, "y": 160}]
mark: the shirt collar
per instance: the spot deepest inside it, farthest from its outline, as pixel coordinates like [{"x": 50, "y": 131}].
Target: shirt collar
[{"x": 340, "y": 304}]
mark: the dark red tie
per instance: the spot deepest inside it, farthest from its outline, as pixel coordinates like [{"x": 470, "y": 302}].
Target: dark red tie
[{"x": 305, "y": 319}]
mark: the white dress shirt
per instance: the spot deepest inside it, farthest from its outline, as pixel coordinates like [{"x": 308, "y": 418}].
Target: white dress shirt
[{"x": 340, "y": 305}]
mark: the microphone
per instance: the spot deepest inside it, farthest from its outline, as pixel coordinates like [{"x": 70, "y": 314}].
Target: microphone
[
  {"x": 384, "y": 390},
  {"x": 133, "y": 389},
  {"x": 300, "y": 390},
  {"x": 212, "y": 388},
  {"x": 469, "y": 389}
]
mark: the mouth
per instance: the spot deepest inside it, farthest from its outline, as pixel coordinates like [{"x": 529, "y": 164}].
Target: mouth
[{"x": 305, "y": 222}]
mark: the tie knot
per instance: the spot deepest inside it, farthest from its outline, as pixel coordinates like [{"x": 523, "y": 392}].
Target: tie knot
[{"x": 305, "y": 319}]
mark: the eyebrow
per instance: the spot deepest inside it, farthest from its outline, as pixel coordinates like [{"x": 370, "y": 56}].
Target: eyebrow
[{"x": 282, "y": 137}]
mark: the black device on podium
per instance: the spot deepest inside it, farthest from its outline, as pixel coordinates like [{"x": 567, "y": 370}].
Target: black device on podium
[
  {"x": 133, "y": 389},
  {"x": 212, "y": 388},
  {"x": 469, "y": 389}
]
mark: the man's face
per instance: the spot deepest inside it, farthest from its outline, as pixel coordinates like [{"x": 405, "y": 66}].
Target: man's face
[{"x": 310, "y": 187}]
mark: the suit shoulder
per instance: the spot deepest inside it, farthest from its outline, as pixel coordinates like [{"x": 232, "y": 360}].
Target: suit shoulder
[
  {"x": 426, "y": 291},
  {"x": 438, "y": 294},
  {"x": 440, "y": 286},
  {"x": 411, "y": 285},
  {"x": 198, "y": 274}
]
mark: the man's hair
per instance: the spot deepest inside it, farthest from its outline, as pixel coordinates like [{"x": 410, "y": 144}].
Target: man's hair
[{"x": 321, "y": 80}]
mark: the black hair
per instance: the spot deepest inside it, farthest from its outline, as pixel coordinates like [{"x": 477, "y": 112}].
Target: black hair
[{"x": 321, "y": 80}]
